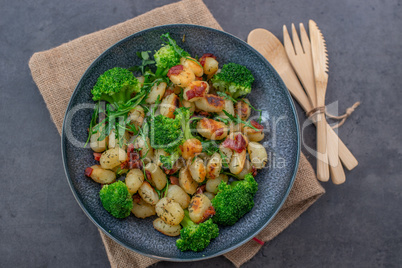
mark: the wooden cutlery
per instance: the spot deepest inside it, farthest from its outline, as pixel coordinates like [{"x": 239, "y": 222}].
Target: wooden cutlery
[{"x": 272, "y": 49}]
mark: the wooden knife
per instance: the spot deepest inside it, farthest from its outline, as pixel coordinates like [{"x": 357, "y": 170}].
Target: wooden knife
[{"x": 320, "y": 64}]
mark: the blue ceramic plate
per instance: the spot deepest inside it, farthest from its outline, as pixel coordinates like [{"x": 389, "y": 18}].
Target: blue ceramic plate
[{"x": 269, "y": 94}]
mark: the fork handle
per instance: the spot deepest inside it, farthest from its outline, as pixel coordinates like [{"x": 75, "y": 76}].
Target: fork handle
[{"x": 322, "y": 157}]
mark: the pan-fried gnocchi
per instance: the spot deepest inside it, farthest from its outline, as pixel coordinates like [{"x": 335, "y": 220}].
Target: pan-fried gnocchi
[
  {"x": 134, "y": 180},
  {"x": 112, "y": 158},
  {"x": 166, "y": 229},
  {"x": 142, "y": 209},
  {"x": 169, "y": 211},
  {"x": 175, "y": 138},
  {"x": 101, "y": 175},
  {"x": 157, "y": 91}
]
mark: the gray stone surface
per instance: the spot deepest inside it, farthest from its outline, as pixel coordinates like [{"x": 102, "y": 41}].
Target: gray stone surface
[{"x": 356, "y": 224}]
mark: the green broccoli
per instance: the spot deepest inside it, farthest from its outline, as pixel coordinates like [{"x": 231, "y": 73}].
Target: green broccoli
[
  {"x": 183, "y": 114},
  {"x": 116, "y": 86},
  {"x": 166, "y": 133},
  {"x": 116, "y": 199},
  {"x": 169, "y": 160},
  {"x": 234, "y": 200},
  {"x": 235, "y": 79},
  {"x": 168, "y": 56},
  {"x": 196, "y": 237}
]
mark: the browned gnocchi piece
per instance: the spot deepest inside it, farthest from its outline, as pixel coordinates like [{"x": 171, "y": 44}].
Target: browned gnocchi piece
[
  {"x": 169, "y": 105},
  {"x": 242, "y": 110},
  {"x": 157, "y": 91},
  {"x": 181, "y": 76},
  {"x": 200, "y": 208},
  {"x": 211, "y": 129},
  {"x": 186, "y": 181},
  {"x": 195, "y": 91},
  {"x": 210, "y": 103},
  {"x": 214, "y": 166},
  {"x": 193, "y": 65},
  {"x": 190, "y": 148},
  {"x": 197, "y": 170},
  {"x": 252, "y": 134}
]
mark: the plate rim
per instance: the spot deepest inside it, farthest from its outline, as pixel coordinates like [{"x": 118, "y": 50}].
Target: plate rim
[{"x": 219, "y": 253}]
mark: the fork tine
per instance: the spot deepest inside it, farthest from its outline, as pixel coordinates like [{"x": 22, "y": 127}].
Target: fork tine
[
  {"x": 296, "y": 41},
  {"x": 287, "y": 42},
  {"x": 305, "y": 40}
]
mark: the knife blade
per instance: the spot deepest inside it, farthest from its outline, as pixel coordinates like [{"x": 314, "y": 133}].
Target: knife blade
[{"x": 320, "y": 64}]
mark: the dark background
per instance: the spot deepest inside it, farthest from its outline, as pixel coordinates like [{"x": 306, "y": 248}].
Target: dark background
[{"x": 355, "y": 224}]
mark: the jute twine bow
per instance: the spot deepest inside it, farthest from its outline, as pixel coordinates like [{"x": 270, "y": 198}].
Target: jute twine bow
[{"x": 321, "y": 109}]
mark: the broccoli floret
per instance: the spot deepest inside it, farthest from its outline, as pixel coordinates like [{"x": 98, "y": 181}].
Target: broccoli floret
[
  {"x": 116, "y": 199},
  {"x": 166, "y": 133},
  {"x": 196, "y": 237},
  {"x": 169, "y": 160},
  {"x": 183, "y": 114},
  {"x": 115, "y": 86},
  {"x": 233, "y": 201},
  {"x": 234, "y": 79},
  {"x": 168, "y": 56}
]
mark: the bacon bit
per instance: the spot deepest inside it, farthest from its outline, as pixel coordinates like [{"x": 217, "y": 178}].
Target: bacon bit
[
  {"x": 201, "y": 189},
  {"x": 256, "y": 125},
  {"x": 88, "y": 171},
  {"x": 137, "y": 198},
  {"x": 130, "y": 149},
  {"x": 174, "y": 180},
  {"x": 170, "y": 171},
  {"x": 203, "y": 113},
  {"x": 168, "y": 92},
  {"x": 238, "y": 144},
  {"x": 204, "y": 57},
  {"x": 199, "y": 78},
  {"x": 254, "y": 171},
  {"x": 133, "y": 159},
  {"x": 258, "y": 241},
  {"x": 149, "y": 176},
  {"x": 175, "y": 70},
  {"x": 196, "y": 91},
  {"x": 208, "y": 213},
  {"x": 97, "y": 156},
  {"x": 219, "y": 132}
]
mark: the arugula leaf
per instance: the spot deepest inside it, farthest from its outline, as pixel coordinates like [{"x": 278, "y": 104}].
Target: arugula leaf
[
  {"x": 144, "y": 56},
  {"x": 226, "y": 96},
  {"x": 238, "y": 120}
]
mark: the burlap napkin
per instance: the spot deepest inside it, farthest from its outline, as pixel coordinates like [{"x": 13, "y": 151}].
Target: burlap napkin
[{"x": 57, "y": 71}]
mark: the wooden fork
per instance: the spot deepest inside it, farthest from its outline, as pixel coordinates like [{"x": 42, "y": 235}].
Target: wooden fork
[{"x": 299, "y": 54}]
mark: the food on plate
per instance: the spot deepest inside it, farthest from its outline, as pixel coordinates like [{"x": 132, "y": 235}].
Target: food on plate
[
  {"x": 116, "y": 199},
  {"x": 172, "y": 139}
]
